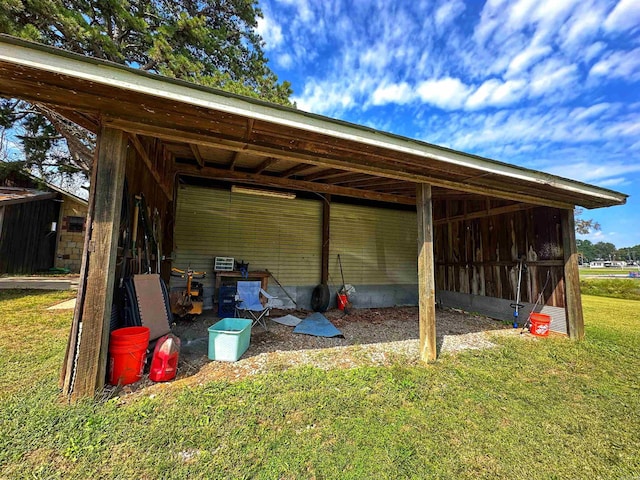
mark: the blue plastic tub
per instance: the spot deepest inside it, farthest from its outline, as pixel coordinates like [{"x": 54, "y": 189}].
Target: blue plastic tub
[{"x": 229, "y": 338}]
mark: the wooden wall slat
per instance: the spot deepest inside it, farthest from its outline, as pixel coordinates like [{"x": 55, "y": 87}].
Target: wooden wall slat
[{"x": 480, "y": 256}]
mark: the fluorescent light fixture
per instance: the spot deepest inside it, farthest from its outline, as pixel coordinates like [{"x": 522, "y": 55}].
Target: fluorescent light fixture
[{"x": 262, "y": 193}]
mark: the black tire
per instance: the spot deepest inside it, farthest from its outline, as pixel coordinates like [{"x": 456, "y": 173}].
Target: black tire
[{"x": 320, "y": 298}]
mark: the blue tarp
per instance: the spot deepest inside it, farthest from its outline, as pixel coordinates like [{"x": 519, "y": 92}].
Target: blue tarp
[{"x": 317, "y": 325}]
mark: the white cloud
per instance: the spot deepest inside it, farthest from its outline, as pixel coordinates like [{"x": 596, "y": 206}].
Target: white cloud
[
  {"x": 625, "y": 16},
  {"x": 583, "y": 25},
  {"x": 614, "y": 182},
  {"x": 552, "y": 75},
  {"x": 494, "y": 92},
  {"x": 624, "y": 65},
  {"x": 377, "y": 57},
  {"x": 446, "y": 13},
  {"x": 446, "y": 93},
  {"x": 270, "y": 32},
  {"x": 525, "y": 59},
  {"x": 284, "y": 60},
  {"x": 399, "y": 93},
  {"x": 593, "y": 50},
  {"x": 324, "y": 98},
  {"x": 594, "y": 111},
  {"x": 594, "y": 171}
]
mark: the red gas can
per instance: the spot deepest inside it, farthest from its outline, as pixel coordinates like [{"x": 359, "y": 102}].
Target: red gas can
[{"x": 164, "y": 364}]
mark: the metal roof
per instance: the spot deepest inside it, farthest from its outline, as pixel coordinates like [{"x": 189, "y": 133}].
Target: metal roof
[
  {"x": 15, "y": 195},
  {"x": 216, "y": 134}
]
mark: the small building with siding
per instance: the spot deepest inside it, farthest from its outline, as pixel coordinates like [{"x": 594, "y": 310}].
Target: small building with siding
[{"x": 41, "y": 226}]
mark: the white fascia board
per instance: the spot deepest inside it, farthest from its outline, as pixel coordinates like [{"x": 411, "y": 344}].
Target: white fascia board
[{"x": 99, "y": 71}]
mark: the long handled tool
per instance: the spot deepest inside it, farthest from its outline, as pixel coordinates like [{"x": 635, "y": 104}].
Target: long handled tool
[
  {"x": 517, "y": 305},
  {"x": 343, "y": 288},
  {"x": 280, "y": 285},
  {"x": 343, "y": 293}
]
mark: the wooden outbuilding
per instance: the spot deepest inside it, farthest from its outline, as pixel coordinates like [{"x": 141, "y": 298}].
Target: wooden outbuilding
[
  {"x": 466, "y": 221},
  {"x": 42, "y": 227}
]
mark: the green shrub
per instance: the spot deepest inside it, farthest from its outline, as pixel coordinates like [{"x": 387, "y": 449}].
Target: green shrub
[{"x": 626, "y": 289}]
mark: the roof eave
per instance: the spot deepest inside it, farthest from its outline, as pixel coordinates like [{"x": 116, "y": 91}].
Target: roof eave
[{"x": 99, "y": 71}]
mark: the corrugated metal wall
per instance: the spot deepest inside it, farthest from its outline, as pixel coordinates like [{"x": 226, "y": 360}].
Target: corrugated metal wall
[
  {"x": 377, "y": 246},
  {"x": 281, "y": 235}
]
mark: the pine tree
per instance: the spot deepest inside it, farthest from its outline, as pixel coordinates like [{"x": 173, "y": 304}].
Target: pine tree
[{"x": 209, "y": 42}]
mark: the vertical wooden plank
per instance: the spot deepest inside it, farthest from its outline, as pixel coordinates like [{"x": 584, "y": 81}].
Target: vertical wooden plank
[
  {"x": 96, "y": 312},
  {"x": 67, "y": 373},
  {"x": 573, "y": 300},
  {"x": 426, "y": 280},
  {"x": 326, "y": 235}
]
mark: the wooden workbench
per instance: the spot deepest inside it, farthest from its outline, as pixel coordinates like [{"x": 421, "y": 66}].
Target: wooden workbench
[{"x": 236, "y": 275}]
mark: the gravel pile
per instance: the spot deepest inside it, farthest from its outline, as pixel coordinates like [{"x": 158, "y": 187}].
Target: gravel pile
[{"x": 371, "y": 337}]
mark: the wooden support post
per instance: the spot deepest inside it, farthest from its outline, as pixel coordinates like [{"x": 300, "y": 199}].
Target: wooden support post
[
  {"x": 326, "y": 220},
  {"x": 67, "y": 373},
  {"x": 426, "y": 278},
  {"x": 96, "y": 312},
  {"x": 573, "y": 300}
]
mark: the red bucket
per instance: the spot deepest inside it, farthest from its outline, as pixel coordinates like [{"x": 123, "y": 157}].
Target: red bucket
[
  {"x": 342, "y": 301},
  {"x": 127, "y": 354},
  {"x": 540, "y": 324}
]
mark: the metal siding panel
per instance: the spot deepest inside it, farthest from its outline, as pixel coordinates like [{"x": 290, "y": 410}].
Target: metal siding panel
[
  {"x": 281, "y": 235},
  {"x": 558, "y": 319},
  {"x": 377, "y": 246}
]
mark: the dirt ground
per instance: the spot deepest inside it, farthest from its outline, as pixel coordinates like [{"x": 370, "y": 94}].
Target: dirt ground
[{"x": 375, "y": 336}]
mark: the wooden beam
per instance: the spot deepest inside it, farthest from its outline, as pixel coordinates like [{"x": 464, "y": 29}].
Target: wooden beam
[
  {"x": 326, "y": 235},
  {"x": 324, "y": 174},
  {"x": 142, "y": 153},
  {"x": 234, "y": 160},
  {"x": 293, "y": 170},
  {"x": 86, "y": 121},
  {"x": 249, "y": 132},
  {"x": 264, "y": 165},
  {"x": 399, "y": 188},
  {"x": 68, "y": 371},
  {"x": 196, "y": 153},
  {"x": 371, "y": 182},
  {"x": 426, "y": 277},
  {"x": 352, "y": 164},
  {"x": 573, "y": 299},
  {"x": 485, "y": 213},
  {"x": 94, "y": 340},
  {"x": 350, "y": 177},
  {"x": 270, "y": 180}
]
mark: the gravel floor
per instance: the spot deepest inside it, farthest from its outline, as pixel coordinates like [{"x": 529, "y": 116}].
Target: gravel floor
[{"x": 371, "y": 337}]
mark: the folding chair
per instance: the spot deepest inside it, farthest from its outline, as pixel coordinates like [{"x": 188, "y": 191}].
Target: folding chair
[{"x": 248, "y": 302}]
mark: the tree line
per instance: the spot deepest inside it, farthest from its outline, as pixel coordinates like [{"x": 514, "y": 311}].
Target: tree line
[{"x": 589, "y": 252}]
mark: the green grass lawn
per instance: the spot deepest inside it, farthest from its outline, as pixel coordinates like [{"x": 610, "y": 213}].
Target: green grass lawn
[
  {"x": 608, "y": 271},
  {"x": 543, "y": 408}
]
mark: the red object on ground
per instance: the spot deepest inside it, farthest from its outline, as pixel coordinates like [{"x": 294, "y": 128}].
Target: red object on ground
[
  {"x": 540, "y": 324},
  {"x": 342, "y": 301},
  {"x": 127, "y": 354},
  {"x": 164, "y": 364}
]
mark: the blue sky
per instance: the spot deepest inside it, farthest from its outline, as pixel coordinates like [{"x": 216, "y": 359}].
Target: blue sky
[{"x": 552, "y": 85}]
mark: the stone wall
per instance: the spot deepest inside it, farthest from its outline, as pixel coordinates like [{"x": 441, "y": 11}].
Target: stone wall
[{"x": 71, "y": 235}]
